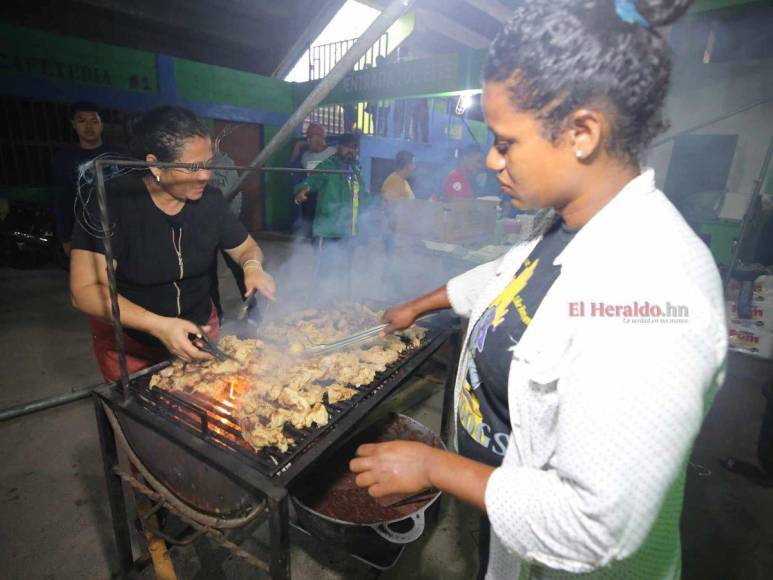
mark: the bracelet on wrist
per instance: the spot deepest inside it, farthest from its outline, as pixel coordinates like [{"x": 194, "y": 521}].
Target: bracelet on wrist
[{"x": 252, "y": 264}]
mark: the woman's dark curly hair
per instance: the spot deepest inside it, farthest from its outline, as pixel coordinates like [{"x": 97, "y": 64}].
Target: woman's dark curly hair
[
  {"x": 565, "y": 54},
  {"x": 163, "y": 131}
]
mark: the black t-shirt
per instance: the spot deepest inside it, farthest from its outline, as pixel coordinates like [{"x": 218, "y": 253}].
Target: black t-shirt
[
  {"x": 484, "y": 416},
  {"x": 144, "y": 244},
  {"x": 65, "y": 168}
]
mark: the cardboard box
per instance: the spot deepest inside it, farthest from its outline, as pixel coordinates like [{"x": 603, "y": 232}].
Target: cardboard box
[
  {"x": 751, "y": 339},
  {"x": 762, "y": 314},
  {"x": 763, "y": 288},
  {"x": 458, "y": 221}
]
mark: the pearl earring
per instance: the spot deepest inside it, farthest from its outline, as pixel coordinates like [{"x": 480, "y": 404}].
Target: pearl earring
[
  {"x": 578, "y": 154},
  {"x": 158, "y": 178}
]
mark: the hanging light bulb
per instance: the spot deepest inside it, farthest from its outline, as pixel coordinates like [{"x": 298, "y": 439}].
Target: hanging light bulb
[{"x": 465, "y": 102}]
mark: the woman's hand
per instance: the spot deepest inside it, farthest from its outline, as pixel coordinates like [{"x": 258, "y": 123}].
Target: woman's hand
[
  {"x": 173, "y": 332},
  {"x": 258, "y": 280},
  {"x": 394, "y": 467},
  {"x": 399, "y": 317}
]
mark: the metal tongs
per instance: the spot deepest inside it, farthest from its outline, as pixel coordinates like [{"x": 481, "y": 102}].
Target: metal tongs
[
  {"x": 358, "y": 337},
  {"x": 210, "y": 347}
]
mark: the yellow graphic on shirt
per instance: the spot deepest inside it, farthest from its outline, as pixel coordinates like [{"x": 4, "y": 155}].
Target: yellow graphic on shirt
[
  {"x": 470, "y": 415},
  {"x": 512, "y": 295}
]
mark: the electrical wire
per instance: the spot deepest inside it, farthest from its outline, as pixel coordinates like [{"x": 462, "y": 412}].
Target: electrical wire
[{"x": 86, "y": 214}]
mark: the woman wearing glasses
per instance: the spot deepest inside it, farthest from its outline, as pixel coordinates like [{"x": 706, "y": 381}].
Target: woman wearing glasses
[{"x": 167, "y": 227}]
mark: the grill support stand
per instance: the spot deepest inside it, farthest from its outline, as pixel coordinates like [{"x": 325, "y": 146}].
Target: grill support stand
[
  {"x": 115, "y": 494},
  {"x": 274, "y": 490},
  {"x": 277, "y": 499},
  {"x": 279, "y": 529}
]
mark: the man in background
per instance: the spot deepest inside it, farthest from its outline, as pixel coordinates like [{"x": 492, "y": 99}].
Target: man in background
[
  {"x": 338, "y": 209},
  {"x": 87, "y": 123},
  {"x": 462, "y": 182},
  {"x": 308, "y": 154}
]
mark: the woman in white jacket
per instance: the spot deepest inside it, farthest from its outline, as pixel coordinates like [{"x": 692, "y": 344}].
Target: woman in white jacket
[{"x": 594, "y": 349}]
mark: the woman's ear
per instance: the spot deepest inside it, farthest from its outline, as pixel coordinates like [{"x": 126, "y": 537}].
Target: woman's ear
[
  {"x": 587, "y": 128},
  {"x": 155, "y": 171}
]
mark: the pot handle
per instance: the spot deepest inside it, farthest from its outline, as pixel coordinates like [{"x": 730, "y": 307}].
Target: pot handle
[{"x": 411, "y": 535}]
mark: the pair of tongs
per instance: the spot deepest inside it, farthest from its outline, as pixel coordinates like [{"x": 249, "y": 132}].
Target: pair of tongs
[
  {"x": 204, "y": 344},
  {"x": 358, "y": 337}
]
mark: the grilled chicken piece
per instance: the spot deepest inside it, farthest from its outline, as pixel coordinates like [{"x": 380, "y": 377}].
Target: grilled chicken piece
[
  {"x": 337, "y": 393},
  {"x": 275, "y": 386}
]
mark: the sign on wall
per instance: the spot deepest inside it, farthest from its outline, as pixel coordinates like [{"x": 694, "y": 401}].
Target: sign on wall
[{"x": 28, "y": 53}]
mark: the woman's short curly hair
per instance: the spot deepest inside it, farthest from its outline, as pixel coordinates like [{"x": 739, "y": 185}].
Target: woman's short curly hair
[
  {"x": 163, "y": 131},
  {"x": 559, "y": 55}
]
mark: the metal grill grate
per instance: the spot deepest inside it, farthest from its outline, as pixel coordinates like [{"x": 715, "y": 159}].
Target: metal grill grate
[{"x": 210, "y": 420}]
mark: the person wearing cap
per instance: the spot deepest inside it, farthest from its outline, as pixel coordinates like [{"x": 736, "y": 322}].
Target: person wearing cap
[
  {"x": 339, "y": 197},
  {"x": 308, "y": 154}
]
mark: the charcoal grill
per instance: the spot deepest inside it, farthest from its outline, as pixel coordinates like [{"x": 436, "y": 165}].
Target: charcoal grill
[
  {"x": 193, "y": 447},
  {"x": 189, "y": 450}
]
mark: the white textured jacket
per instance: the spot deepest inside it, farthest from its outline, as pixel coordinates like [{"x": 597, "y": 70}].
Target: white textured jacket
[{"x": 604, "y": 408}]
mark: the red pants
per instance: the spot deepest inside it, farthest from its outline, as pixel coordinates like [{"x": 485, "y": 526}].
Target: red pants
[{"x": 138, "y": 355}]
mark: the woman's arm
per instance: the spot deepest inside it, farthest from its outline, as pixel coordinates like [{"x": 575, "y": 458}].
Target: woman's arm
[
  {"x": 403, "y": 316},
  {"x": 89, "y": 292},
  {"x": 250, "y": 257},
  {"x": 409, "y": 467}
]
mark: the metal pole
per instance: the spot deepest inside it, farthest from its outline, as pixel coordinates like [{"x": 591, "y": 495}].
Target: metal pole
[
  {"x": 43, "y": 404},
  {"x": 388, "y": 17},
  {"x": 198, "y": 166},
  {"x": 116, "y": 311},
  {"x": 119, "y": 517}
]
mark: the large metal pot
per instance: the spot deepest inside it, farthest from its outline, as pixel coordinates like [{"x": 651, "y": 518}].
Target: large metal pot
[{"x": 367, "y": 540}]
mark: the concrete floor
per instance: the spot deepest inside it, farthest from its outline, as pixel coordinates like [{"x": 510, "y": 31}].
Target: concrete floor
[{"x": 54, "y": 517}]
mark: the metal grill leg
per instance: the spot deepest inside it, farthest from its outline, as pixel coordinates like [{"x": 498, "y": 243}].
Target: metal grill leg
[
  {"x": 114, "y": 491},
  {"x": 279, "y": 517}
]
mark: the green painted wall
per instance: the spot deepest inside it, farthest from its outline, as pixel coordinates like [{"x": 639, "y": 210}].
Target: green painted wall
[
  {"x": 401, "y": 29},
  {"x": 698, "y": 6},
  {"x": 706, "y": 5},
  {"x": 29, "y": 53},
  {"x": 278, "y": 186},
  {"x": 215, "y": 84}
]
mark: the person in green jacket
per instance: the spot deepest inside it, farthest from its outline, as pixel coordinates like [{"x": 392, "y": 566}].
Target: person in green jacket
[
  {"x": 338, "y": 196},
  {"x": 340, "y": 201}
]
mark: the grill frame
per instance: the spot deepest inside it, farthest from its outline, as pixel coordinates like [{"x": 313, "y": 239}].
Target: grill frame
[
  {"x": 198, "y": 408},
  {"x": 245, "y": 473}
]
